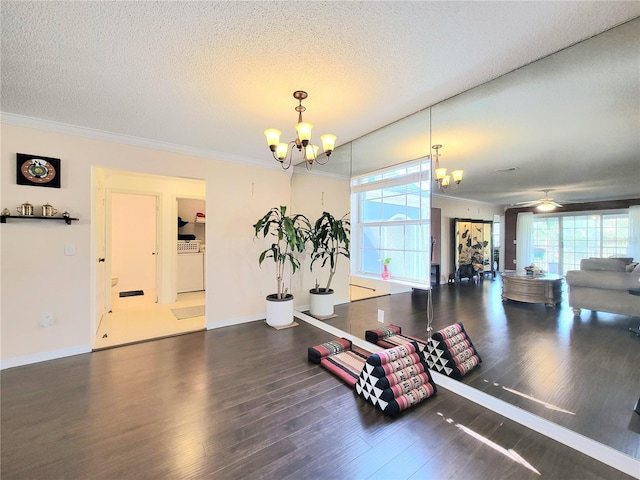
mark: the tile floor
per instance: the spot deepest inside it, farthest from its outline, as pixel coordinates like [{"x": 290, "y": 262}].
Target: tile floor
[{"x": 139, "y": 318}]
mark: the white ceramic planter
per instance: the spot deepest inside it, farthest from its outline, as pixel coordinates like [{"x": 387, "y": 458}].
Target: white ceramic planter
[
  {"x": 321, "y": 302},
  {"x": 279, "y": 311}
]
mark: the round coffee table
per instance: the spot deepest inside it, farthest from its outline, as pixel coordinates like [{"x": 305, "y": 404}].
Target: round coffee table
[{"x": 545, "y": 288}]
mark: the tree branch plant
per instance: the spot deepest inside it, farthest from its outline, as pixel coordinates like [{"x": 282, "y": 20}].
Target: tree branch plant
[
  {"x": 289, "y": 235},
  {"x": 330, "y": 240}
]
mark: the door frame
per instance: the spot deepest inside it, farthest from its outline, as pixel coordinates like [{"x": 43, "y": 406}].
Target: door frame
[{"x": 166, "y": 234}]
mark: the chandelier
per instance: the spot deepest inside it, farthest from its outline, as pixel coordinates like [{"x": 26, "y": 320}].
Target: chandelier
[
  {"x": 283, "y": 152},
  {"x": 442, "y": 179}
]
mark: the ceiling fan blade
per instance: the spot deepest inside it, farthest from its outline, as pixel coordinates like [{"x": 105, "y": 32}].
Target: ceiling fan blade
[
  {"x": 528, "y": 204},
  {"x": 555, "y": 204}
]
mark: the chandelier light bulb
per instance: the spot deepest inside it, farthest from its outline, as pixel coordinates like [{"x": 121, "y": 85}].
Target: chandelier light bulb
[
  {"x": 281, "y": 151},
  {"x": 273, "y": 138},
  {"x": 457, "y": 176},
  {"x": 328, "y": 143},
  {"x": 311, "y": 152},
  {"x": 304, "y": 132}
]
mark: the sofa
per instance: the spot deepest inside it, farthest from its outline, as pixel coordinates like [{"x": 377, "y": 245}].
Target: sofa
[{"x": 603, "y": 284}]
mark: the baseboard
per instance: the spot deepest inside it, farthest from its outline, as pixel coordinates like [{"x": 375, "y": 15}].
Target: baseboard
[
  {"x": 44, "y": 356},
  {"x": 236, "y": 321}
]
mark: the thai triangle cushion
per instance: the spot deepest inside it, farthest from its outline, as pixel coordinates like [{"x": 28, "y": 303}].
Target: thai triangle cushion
[
  {"x": 396, "y": 379},
  {"x": 451, "y": 352}
]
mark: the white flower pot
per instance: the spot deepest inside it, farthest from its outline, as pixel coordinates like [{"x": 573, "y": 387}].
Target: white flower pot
[
  {"x": 279, "y": 311},
  {"x": 321, "y": 302}
]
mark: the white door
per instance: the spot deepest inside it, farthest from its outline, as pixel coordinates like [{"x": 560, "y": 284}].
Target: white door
[{"x": 133, "y": 242}]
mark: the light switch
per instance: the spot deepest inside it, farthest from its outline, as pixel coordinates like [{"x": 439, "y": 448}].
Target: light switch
[{"x": 69, "y": 249}]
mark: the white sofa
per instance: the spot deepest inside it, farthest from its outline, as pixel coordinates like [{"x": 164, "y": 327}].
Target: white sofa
[{"x": 603, "y": 284}]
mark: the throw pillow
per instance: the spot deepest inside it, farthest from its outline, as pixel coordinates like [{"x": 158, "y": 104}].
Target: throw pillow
[
  {"x": 631, "y": 267},
  {"x": 637, "y": 269}
]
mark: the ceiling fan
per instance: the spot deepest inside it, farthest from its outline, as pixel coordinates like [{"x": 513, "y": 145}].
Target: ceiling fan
[{"x": 545, "y": 204}]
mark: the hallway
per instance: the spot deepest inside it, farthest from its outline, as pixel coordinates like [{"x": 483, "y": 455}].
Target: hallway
[{"x": 139, "y": 318}]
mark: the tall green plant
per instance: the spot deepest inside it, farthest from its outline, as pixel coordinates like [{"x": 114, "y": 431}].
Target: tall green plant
[
  {"x": 290, "y": 235},
  {"x": 330, "y": 240}
]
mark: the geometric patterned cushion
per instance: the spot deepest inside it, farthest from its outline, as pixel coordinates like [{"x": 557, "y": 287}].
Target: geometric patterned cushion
[
  {"x": 395, "y": 379},
  {"x": 392, "y": 336},
  {"x": 374, "y": 336},
  {"x": 401, "y": 339},
  {"x": 315, "y": 354},
  {"x": 451, "y": 352},
  {"x": 394, "y": 358}
]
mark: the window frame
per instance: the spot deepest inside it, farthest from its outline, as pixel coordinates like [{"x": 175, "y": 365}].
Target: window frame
[{"x": 412, "y": 173}]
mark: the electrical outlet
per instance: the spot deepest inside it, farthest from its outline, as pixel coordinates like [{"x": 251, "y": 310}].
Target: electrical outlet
[
  {"x": 381, "y": 316},
  {"x": 514, "y": 261},
  {"x": 46, "y": 320}
]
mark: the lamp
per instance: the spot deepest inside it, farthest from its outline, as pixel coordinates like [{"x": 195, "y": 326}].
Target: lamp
[
  {"x": 283, "y": 152},
  {"x": 442, "y": 179},
  {"x": 546, "y": 206}
]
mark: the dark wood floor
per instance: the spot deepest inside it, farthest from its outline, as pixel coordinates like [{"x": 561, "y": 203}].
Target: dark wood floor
[
  {"x": 244, "y": 402},
  {"x": 587, "y": 366}
]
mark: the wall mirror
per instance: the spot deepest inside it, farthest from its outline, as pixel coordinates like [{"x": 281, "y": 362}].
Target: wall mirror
[{"x": 521, "y": 116}]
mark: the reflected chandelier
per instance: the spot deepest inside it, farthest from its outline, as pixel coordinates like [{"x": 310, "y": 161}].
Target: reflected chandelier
[
  {"x": 283, "y": 152},
  {"x": 442, "y": 179}
]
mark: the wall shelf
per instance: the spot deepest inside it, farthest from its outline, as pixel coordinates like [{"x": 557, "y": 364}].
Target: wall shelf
[{"x": 3, "y": 218}]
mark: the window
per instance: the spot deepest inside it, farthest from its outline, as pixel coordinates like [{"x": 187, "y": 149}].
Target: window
[
  {"x": 561, "y": 241},
  {"x": 391, "y": 212},
  {"x": 496, "y": 232},
  {"x": 546, "y": 243}
]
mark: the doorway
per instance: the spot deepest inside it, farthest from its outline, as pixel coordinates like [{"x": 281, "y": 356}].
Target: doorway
[{"x": 139, "y": 234}]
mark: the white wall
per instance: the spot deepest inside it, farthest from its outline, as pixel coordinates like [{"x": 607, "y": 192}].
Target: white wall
[
  {"x": 452, "y": 207},
  {"x": 312, "y": 194},
  {"x": 38, "y": 278}
]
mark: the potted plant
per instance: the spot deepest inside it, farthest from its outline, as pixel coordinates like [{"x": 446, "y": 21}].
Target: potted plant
[
  {"x": 289, "y": 235},
  {"x": 330, "y": 239}
]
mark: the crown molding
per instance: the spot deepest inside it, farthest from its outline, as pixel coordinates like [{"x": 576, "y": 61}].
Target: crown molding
[
  {"x": 444, "y": 196},
  {"x": 317, "y": 172},
  {"x": 95, "y": 134}
]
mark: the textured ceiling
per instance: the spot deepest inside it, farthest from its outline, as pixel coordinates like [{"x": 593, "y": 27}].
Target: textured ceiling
[{"x": 214, "y": 75}]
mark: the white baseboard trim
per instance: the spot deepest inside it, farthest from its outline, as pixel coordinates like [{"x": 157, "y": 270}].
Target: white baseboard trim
[
  {"x": 596, "y": 450},
  {"x": 305, "y": 308},
  {"x": 44, "y": 356},
  {"x": 236, "y": 321},
  {"x": 336, "y": 331}
]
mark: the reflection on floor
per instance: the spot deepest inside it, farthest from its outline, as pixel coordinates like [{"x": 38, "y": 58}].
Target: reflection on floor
[
  {"x": 578, "y": 372},
  {"x": 139, "y": 318}
]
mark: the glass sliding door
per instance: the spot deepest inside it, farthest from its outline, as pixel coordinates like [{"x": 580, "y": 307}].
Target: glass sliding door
[{"x": 561, "y": 241}]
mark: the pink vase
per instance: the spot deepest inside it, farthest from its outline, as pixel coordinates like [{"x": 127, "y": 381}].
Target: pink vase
[{"x": 385, "y": 272}]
